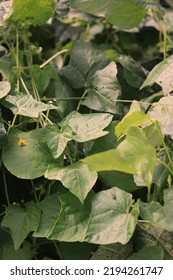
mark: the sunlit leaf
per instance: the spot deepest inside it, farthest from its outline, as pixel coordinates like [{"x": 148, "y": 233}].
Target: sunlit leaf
[
  {"x": 76, "y": 177},
  {"x": 104, "y": 218},
  {"x": 25, "y": 105},
  {"x": 162, "y": 74},
  {"x": 134, "y": 155},
  {"x": 87, "y": 126},
  {"x": 4, "y": 88}
]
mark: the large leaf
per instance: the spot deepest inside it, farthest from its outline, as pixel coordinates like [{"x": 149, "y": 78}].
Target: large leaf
[
  {"x": 161, "y": 74},
  {"x": 34, "y": 12},
  {"x": 157, "y": 214},
  {"x": 134, "y": 155},
  {"x": 4, "y": 88},
  {"x": 105, "y": 90},
  {"x": 104, "y": 218},
  {"x": 76, "y": 177},
  {"x": 25, "y": 156},
  {"x": 162, "y": 112},
  {"x": 50, "y": 209},
  {"x": 87, "y": 126},
  {"x": 25, "y": 105},
  {"x": 124, "y": 14},
  {"x": 84, "y": 62},
  {"x": 21, "y": 221}
]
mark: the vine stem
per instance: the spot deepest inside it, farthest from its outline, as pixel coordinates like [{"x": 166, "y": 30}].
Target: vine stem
[
  {"x": 6, "y": 189},
  {"x": 164, "y": 145},
  {"x": 52, "y": 58}
]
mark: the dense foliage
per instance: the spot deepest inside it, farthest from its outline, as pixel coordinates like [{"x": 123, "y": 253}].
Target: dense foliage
[{"x": 86, "y": 129}]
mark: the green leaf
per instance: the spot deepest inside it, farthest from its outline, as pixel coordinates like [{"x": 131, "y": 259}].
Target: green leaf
[
  {"x": 134, "y": 155},
  {"x": 104, "y": 218},
  {"x": 87, "y": 127},
  {"x": 162, "y": 112},
  {"x": 34, "y": 12},
  {"x": 157, "y": 214},
  {"x": 125, "y": 14},
  {"x": 133, "y": 71},
  {"x": 161, "y": 74},
  {"x": 136, "y": 118},
  {"x": 76, "y": 250},
  {"x": 56, "y": 139},
  {"x": 148, "y": 253},
  {"x": 146, "y": 234},
  {"x": 21, "y": 221},
  {"x": 115, "y": 251},
  {"x": 24, "y": 253},
  {"x": 76, "y": 177},
  {"x": 26, "y": 105},
  {"x": 50, "y": 209},
  {"x": 105, "y": 90},
  {"x": 4, "y": 88},
  {"x": 84, "y": 62},
  {"x": 121, "y": 180},
  {"x": 28, "y": 160}
]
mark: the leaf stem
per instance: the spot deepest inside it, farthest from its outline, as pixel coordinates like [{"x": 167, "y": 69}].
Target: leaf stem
[
  {"x": 82, "y": 97},
  {"x": 6, "y": 189},
  {"x": 52, "y": 58},
  {"x": 163, "y": 143}
]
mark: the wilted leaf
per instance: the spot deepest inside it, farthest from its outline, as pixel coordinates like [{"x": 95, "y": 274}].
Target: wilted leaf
[
  {"x": 21, "y": 221},
  {"x": 76, "y": 177}
]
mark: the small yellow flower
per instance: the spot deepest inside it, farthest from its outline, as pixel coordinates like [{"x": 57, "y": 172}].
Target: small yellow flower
[{"x": 22, "y": 142}]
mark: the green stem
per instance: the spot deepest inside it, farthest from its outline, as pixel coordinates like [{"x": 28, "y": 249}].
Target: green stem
[
  {"x": 6, "y": 189},
  {"x": 82, "y": 97},
  {"x": 52, "y": 58},
  {"x": 57, "y": 250},
  {"x": 163, "y": 143},
  {"x": 35, "y": 195},
  {"x": 166, "y": 166}
]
